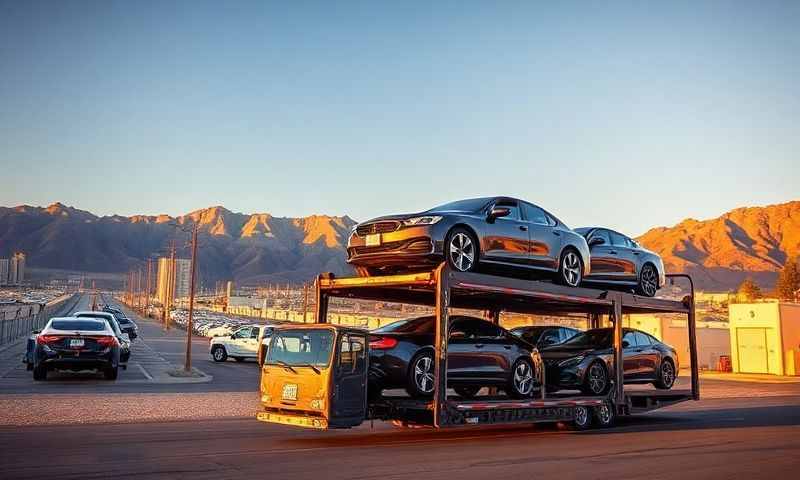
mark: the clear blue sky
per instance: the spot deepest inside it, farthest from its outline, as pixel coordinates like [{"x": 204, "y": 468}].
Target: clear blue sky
[{"x": 622, "y": 114}]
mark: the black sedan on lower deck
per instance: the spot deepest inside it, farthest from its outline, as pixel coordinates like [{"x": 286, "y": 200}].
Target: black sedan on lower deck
[
  {"x": 71, "y": 343},
  {"x": 480, "y": 354},
  {"x": 585, "y": 361}
]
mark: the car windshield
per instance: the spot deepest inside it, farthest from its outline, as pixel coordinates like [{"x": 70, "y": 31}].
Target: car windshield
[
  {"x": 301, "y": 347},
  {"x": 471, "y": 205},
  {"x": 112, "y": 323},
  {"x": 592, "y": 338},
  {"x": 86, "y": 325},
  {"x": 414, "y": 325},
  {"x": 529, "y": 334}
]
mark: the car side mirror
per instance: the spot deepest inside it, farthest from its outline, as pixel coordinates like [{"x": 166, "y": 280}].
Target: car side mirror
[
  {"x": 36, "y": 332},
  {"x": 625, "y": 344},
  {"x": 497, "y": 212},
  {"x": 596, "y": 241}
]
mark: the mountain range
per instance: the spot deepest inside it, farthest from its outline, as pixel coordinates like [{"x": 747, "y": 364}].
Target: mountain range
[
  {"x": 245, "y": 247},
  {"x": 251, "y": 248}
]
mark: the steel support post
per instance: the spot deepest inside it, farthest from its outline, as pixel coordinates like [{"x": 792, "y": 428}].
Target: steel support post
[{"x": 442, "y": 282}]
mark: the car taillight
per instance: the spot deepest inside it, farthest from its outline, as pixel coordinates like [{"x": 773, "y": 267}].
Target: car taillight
[
  {"x": 383, "y": 343},
  {"x": 47, "y": 339},
  {"x": 107, "y": 341}
]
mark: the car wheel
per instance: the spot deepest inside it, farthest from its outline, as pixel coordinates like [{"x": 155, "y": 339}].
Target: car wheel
[
  {"x": 467, "y": 392},
  {"x": 40, "y": 373},
  {"x": 604, "y": 415},
  {"x": 595, "y": 381},
  {"x": 522, "y": 378},
  {"x": 570, "y": 268},
  {"x": 421, "y": 381},
  {"x": 219, "y": 354},
  {"x": 582, "y": 418},
  {"x": 111, "y": 373},
  {"x": 666, "y": 375},
  {"x": 648, "y": 281},
  {"x": 461, "y": 250}
]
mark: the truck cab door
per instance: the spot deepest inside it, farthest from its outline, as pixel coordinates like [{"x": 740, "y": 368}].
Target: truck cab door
[{"x": 349, "y": 390}]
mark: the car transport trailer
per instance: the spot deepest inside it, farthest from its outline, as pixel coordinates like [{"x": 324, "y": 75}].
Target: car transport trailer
[{"x": 340, "y": 397}]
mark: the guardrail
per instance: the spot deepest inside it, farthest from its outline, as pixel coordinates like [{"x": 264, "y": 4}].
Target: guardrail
[{"x": 20, "y": 324}]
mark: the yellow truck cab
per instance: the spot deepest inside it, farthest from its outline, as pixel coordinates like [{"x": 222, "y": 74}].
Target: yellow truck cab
[{"x": 315, "y": 376}]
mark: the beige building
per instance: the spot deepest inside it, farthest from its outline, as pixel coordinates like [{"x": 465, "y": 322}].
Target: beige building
[
  {"x": 16, "y": 269},
  {"x": 180, "y": 283},
  {"x": 765, "y": 338}
]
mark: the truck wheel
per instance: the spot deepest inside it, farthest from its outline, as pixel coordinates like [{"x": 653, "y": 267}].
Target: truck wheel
[
  {"x": 582, "y": 418},
  {"x": 111, "y": 373},
  {"x": 467, "y": 392},
  {"x": 40, "y": 373},
  {"x": 604, "y": 415},
  {"x": 219, "y": 354}
]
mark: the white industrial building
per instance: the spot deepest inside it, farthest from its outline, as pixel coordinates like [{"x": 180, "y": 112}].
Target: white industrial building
[{"x": 765, "y": 337}]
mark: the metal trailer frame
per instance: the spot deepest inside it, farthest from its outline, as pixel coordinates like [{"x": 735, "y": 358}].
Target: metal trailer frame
[{"x": 446, "y": 288}]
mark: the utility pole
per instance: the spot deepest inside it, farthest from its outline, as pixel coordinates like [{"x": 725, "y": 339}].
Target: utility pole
[
  {"x": 147, "y": 287},
  {"x": 170, "y": 285},
  {"x": 305, "y": 300},
  {"x": 188, "y": 365}
]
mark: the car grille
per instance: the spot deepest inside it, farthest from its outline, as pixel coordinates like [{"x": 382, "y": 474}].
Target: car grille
[{"x": 377, "y": 227}]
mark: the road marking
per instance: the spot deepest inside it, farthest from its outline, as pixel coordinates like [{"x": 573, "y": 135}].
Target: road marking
[{"x": 144, "y": 372}]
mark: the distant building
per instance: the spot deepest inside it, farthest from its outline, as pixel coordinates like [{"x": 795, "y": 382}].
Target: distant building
[
  {"x": 180, "y": 283},
  {"x": 3, "y": 271},
  {"x": 765, "y": 337},
  {"x": 229, "y": 289},
  {"x": 16, "y": 269}
]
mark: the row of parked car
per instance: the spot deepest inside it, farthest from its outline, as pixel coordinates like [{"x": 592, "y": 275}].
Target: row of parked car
[
  {"x": 508, "y": 235},
  {"x": 87, "y": 340}
]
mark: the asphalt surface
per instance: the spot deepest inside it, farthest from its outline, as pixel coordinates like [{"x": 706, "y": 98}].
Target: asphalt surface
[{"x": 140, "y": 430}]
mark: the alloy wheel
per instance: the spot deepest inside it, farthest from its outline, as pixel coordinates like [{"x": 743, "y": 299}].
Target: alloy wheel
[
  {"x": 423, "y": 374},
  {"x": 649, "y": 281},
  {"x": 462, "y": 251},
  {"x": 581, "y": 416},
  {"x": 218, "y": 354},
  {"x": 597, "y": 379},
  {"x": 667, "y": 374},
  {"x": 571, "y": 269},
  {"x": 523, "y": 378}
]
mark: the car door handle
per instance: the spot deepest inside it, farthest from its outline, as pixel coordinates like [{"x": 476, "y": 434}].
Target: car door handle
[
  {"x": 523, "y": 228},
  {"x": 478, "y": 345},
  {"x": 507, "y": 347},
  {"x": 612, "y": 252},
  {"x": 636, "y": 253},
  {"x": 556, "y": 233}
]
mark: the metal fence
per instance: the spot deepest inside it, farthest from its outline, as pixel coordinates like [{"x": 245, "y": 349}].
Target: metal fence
[{"x": 21, "y": 323}]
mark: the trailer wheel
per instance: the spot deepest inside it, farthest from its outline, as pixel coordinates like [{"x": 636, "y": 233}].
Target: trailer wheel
[
  {"x": 604, "y": 415},
  {"x": 582, "y": 418}
]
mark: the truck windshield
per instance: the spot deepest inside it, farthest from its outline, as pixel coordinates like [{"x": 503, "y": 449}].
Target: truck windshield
[{"x": 301, "y": 347}]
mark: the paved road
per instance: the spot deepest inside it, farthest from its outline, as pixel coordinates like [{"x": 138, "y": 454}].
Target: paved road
[{"x": 750, "y": 438}]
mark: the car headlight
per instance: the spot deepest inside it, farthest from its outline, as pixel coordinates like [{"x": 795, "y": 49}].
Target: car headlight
[
  {"x": 571, "y": 361},
  {"x": 426, "y": 220}
]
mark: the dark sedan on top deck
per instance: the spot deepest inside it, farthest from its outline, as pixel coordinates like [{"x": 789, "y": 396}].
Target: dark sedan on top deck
[
  {"x": 585, "y": 361},
  {"x": 496, "y": 231},
  {"x": 619, "y": 261}
]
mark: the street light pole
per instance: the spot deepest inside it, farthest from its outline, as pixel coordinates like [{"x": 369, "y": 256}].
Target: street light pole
[{"x": 188, "y": 364}]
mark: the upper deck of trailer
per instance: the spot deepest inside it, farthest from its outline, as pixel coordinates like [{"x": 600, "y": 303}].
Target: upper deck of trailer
[{"x": 495, "y": 293}]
